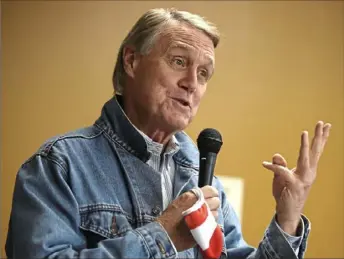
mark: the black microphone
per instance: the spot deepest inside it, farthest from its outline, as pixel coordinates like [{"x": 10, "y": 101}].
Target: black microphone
[{"x": 209, "y": 143}]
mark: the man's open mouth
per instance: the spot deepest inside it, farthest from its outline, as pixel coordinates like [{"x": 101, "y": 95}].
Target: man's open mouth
[{"x": 182, "y": 101}]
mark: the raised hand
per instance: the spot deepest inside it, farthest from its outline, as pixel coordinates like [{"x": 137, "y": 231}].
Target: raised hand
[{"x": 291, "y": 186}]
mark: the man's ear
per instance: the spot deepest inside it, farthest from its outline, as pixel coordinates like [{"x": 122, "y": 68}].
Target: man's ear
[{"x": 130, "y": 60}]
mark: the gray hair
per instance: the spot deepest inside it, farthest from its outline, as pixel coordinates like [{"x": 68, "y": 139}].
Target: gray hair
[{"x": 146, "y": 30}]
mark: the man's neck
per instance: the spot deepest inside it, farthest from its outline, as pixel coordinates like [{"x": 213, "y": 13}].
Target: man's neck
[{"x": 146, "y": 125}]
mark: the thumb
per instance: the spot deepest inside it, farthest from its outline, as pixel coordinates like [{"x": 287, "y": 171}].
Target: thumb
[
  {"x": 278, "y": 159},
  {"x": 277, "y": 169}
]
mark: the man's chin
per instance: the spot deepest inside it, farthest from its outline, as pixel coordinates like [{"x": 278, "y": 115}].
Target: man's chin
[{"x": 180, "y": 124}]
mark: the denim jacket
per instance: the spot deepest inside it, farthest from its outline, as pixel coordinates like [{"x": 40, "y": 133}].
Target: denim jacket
[{"x": 90, "y": 194}]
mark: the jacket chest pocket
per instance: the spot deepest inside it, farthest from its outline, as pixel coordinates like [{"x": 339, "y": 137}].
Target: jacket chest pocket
[{"x": 102, "y": 221}]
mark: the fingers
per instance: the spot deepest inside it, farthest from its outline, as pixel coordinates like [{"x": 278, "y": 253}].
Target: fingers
[
  {"x": 326, "y": 131},
  {"x": 303, "y": 159},
  {"x": 321, "y": 134},
  {"x": 317, "y": 142},
  {"x": 213, "y": 204},
  {"x": 277, "y": 169},
  {"x": 278, "y": 159},
  {"x": 278, "y": 165},
  {"x": 308, "y": 155},
  {"x": 211, "y": 196},
  {"x": 209, "y": 192}
]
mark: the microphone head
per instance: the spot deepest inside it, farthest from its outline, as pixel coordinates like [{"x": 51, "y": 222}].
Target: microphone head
[{"x": 209, "y": 140}]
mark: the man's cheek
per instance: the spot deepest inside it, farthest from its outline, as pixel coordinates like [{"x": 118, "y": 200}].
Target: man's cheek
[
  {"x": 195, "y": 108},
  {"x": 197, "y": 100}
]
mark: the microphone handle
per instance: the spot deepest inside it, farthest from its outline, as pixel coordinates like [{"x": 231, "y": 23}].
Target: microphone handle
[{"x": 206, "y": 169}]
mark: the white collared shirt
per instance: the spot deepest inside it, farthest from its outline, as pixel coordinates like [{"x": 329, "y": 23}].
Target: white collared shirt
[{"x": 162, "y": 161}]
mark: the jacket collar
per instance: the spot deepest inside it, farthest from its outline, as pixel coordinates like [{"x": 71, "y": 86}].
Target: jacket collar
[{"x": 116, "y": 124}]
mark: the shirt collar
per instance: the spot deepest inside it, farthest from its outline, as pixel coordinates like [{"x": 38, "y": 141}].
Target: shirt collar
[
  {"x": 158, "y": 148},
  {"x": 138, "y": 139}
]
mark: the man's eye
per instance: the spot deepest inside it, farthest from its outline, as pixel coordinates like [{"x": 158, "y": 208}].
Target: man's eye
[
  {"x": 179, "y": 62},
  {"x": 203, "y": 73}
]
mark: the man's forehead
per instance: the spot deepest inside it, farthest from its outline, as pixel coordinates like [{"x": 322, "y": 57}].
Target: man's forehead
[{"x": 187, "y": 39}]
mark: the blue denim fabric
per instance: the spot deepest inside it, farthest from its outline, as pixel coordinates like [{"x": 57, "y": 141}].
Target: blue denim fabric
[{"x": 89, "y": 194}]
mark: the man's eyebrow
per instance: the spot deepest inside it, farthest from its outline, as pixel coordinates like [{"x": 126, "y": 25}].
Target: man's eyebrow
[
  {"x": 187, "y": 48},
  {"x": 210, "y": 62}
]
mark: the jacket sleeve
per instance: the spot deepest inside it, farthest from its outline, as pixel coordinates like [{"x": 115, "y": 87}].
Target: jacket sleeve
[
  {"x": 44, "y": 221},
  {"x": 274, "y": 245}
]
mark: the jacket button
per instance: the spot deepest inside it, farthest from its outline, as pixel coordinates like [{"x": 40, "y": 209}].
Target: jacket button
[{"x": 156, "y": 211}]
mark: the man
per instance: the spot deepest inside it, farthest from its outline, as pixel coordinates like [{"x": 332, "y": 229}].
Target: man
[{"x": 118, "y": 189}]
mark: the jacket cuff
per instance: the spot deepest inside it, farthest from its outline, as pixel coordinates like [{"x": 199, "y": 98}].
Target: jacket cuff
[
  {"x": 276, "y": 243},
  {"x": 157, "y": 240},
  {"x": 295, "y": 241}
]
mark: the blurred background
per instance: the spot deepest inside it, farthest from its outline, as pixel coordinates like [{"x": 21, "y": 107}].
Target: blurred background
[{"x": 279, "y": 69}]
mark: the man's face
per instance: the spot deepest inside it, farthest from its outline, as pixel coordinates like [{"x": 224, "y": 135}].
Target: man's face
[{"x": 169, "y": 82}]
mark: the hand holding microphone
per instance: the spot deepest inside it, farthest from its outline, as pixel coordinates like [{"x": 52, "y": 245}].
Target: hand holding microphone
[{"x": 209, "y": 143}]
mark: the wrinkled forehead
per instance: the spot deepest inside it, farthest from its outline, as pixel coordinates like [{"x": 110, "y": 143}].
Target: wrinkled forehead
[{"x": 188, "y": 40}]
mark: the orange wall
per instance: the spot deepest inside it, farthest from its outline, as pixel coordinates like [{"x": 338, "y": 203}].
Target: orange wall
[{"x": 279, "y": 69}]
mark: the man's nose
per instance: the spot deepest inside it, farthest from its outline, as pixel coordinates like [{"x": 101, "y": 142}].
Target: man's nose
[{"x": 189, "y": 81}]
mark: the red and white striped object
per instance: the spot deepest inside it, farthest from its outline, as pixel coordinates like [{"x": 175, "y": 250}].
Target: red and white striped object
[{"x": 204, "y": 228}]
